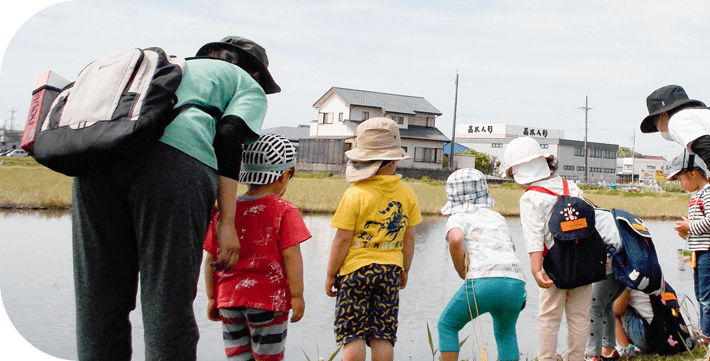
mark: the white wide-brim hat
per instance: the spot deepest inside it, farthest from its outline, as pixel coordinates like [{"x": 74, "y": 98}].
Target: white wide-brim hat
[
  {"x": 683, "y": 161},
  {"x": 525, "y": 161}
]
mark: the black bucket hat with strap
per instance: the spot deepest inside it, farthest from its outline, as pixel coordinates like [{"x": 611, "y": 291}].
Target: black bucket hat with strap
[
  {"x": 663, "y": 100},
  {"x": 255, "y": 52}
]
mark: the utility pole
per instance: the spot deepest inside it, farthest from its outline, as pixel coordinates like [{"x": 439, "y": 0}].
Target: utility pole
[
  {"x": 12, "y": 119},
  {"x": 633, "y": 158},
  {"x": 453, "y": 135},
  {"x": 586, "y": 111}
]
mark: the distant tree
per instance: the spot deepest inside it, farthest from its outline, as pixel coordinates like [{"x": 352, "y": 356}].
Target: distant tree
[
  {"x": 626, "y": 153},
  {"x": 484, "y": 162}
]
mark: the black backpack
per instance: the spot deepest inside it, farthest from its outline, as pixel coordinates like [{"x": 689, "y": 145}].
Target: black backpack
[
  {"x": 667, "y": 333},
  {"x": 578, "y": 257},
  {"x": 635, "y": 264}
]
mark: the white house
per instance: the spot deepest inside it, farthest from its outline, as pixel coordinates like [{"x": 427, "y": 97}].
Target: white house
[{"x": 340, "y": 110}]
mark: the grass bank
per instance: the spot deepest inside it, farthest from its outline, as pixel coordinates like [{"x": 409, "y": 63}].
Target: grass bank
[{"x": 24, "y": 184}]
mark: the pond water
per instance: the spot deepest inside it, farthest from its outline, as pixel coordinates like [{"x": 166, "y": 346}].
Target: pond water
[{"x": 37, "y": 291}]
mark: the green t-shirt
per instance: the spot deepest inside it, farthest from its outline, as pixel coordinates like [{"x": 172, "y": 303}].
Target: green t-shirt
[{"x": 214, "y": 83}]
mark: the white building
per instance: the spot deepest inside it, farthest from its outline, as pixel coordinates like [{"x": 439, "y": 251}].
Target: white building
[
  {"x": 645, "y": 169},
  {"x": 340, "y": 110},
  {"x": 492, "y": 139}
]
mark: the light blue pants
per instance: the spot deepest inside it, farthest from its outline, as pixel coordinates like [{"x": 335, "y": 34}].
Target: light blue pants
[{"x": 503, "y": 298}]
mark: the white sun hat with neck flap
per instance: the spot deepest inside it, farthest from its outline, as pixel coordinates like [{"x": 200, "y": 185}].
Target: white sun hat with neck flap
[{"x": 525, "y": 161}]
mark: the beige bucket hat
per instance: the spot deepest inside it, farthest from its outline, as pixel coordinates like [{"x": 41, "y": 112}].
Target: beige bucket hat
[
  {"x": 377, "y": 140},
  {"x": 525, "y": 161}
]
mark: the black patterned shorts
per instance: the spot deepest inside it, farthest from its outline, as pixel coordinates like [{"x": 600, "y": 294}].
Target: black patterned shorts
[{"x": 368, "y": 304}]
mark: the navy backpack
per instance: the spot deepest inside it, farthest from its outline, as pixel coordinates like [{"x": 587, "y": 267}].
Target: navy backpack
[
  {"x": 636, "y": 263},
  {"x": 578, "y": 256}
]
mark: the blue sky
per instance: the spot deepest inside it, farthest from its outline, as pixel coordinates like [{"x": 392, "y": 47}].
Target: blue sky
[{"x": 520, "y": 62}]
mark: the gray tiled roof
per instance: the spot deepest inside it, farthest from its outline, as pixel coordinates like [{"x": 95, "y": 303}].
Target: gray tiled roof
[
  {"x": 291, "y": 133},
  {"x": 390, "y": 103},
  {"x": 414, "y": 132}
]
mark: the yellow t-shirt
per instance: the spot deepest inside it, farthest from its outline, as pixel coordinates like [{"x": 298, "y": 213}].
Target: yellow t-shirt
[{"x": 378, "y": 210}]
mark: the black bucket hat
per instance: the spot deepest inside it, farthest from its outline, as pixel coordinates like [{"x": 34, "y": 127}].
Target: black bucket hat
[
  {"x": 255, "y": 52},
  {"x": 662, "y": 100}
]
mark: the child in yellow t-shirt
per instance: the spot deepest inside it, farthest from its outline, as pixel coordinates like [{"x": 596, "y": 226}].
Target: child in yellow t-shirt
[{"x": 374, "y": 244}]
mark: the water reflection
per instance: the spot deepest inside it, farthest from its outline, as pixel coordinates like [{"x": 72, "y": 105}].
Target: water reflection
[{"x": 37, "y": 290}]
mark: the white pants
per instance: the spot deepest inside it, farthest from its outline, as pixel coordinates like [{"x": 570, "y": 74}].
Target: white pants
[{"x": 553, "y": 303}]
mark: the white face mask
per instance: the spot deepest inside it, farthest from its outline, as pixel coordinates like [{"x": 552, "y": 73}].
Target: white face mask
[{"x": 666, "y": 136}]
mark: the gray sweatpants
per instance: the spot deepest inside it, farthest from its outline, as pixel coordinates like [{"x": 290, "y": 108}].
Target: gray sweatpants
[{"x": 146, "y": 217}]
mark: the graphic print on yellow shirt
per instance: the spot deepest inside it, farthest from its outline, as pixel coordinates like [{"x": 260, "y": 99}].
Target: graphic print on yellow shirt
[
  {"x": 378, "y": 210},
  {"x": 392, "y": 225}
]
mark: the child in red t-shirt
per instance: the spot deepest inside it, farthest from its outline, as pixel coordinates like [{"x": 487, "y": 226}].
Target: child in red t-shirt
[{"x": 253, "y": 298}]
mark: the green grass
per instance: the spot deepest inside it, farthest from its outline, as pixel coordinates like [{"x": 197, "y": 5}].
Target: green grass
[{"x": 24, "y": 184}]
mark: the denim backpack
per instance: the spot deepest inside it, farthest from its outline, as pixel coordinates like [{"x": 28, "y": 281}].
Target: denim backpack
[
  {"x": 578, "y": 256},
  {"x": 635, "y": 264}
]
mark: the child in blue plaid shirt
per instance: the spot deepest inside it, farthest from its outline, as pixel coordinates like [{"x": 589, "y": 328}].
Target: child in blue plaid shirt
[{"x": 483, "y": 254}]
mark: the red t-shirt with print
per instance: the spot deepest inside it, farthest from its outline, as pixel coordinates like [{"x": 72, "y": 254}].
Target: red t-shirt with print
[{"x": 266, "y": 226}]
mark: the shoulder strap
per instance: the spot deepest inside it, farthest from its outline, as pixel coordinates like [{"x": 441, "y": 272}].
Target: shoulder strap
[
  {"x": 211, "y": 110},
  {"x": 565, "y": 188},
  {"x": 542, "y": 190}
]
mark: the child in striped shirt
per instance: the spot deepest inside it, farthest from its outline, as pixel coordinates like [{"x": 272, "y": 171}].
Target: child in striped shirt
[{"x": 692, "y": 173}]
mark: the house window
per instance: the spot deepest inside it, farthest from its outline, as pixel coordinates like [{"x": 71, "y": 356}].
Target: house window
[
  {"x": 596, "y": 153},
  {"x": 326, "y": 118},
  {"x": 544, "y": 146},
  {"x": 365, "y": 115},
  {"x": 340, "y": 117},
  {"x": 496, "y": 145},
  {"x": 568, "y": 167},
  {"x": 430, "y": 122},
  {"x": 595, "y": 169},
  {"x": 580, "y": 168},
  {"x": 579, "y": 152},
  {"x": 398, "y": 119},
  {"x": 405, "y": 149},
  {"x": 429, "y": 155},
  {"x": 609, "y": 170}
]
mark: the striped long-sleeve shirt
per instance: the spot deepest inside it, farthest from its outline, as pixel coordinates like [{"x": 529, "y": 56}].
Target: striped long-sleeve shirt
[{"x": 698, "y": 208}]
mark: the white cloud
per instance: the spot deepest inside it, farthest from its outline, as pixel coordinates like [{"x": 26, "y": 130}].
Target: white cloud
[{"x": 518, "y": 60}]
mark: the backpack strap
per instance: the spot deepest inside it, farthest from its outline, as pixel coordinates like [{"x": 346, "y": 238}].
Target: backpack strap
[
  {"x": 565, "y": 188},
  {"x": 543, "y": 190},
  {"x": 214, "y": 112}
]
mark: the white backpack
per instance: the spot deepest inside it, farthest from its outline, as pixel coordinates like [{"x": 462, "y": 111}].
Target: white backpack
[{"x": 118, "y": 106}]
